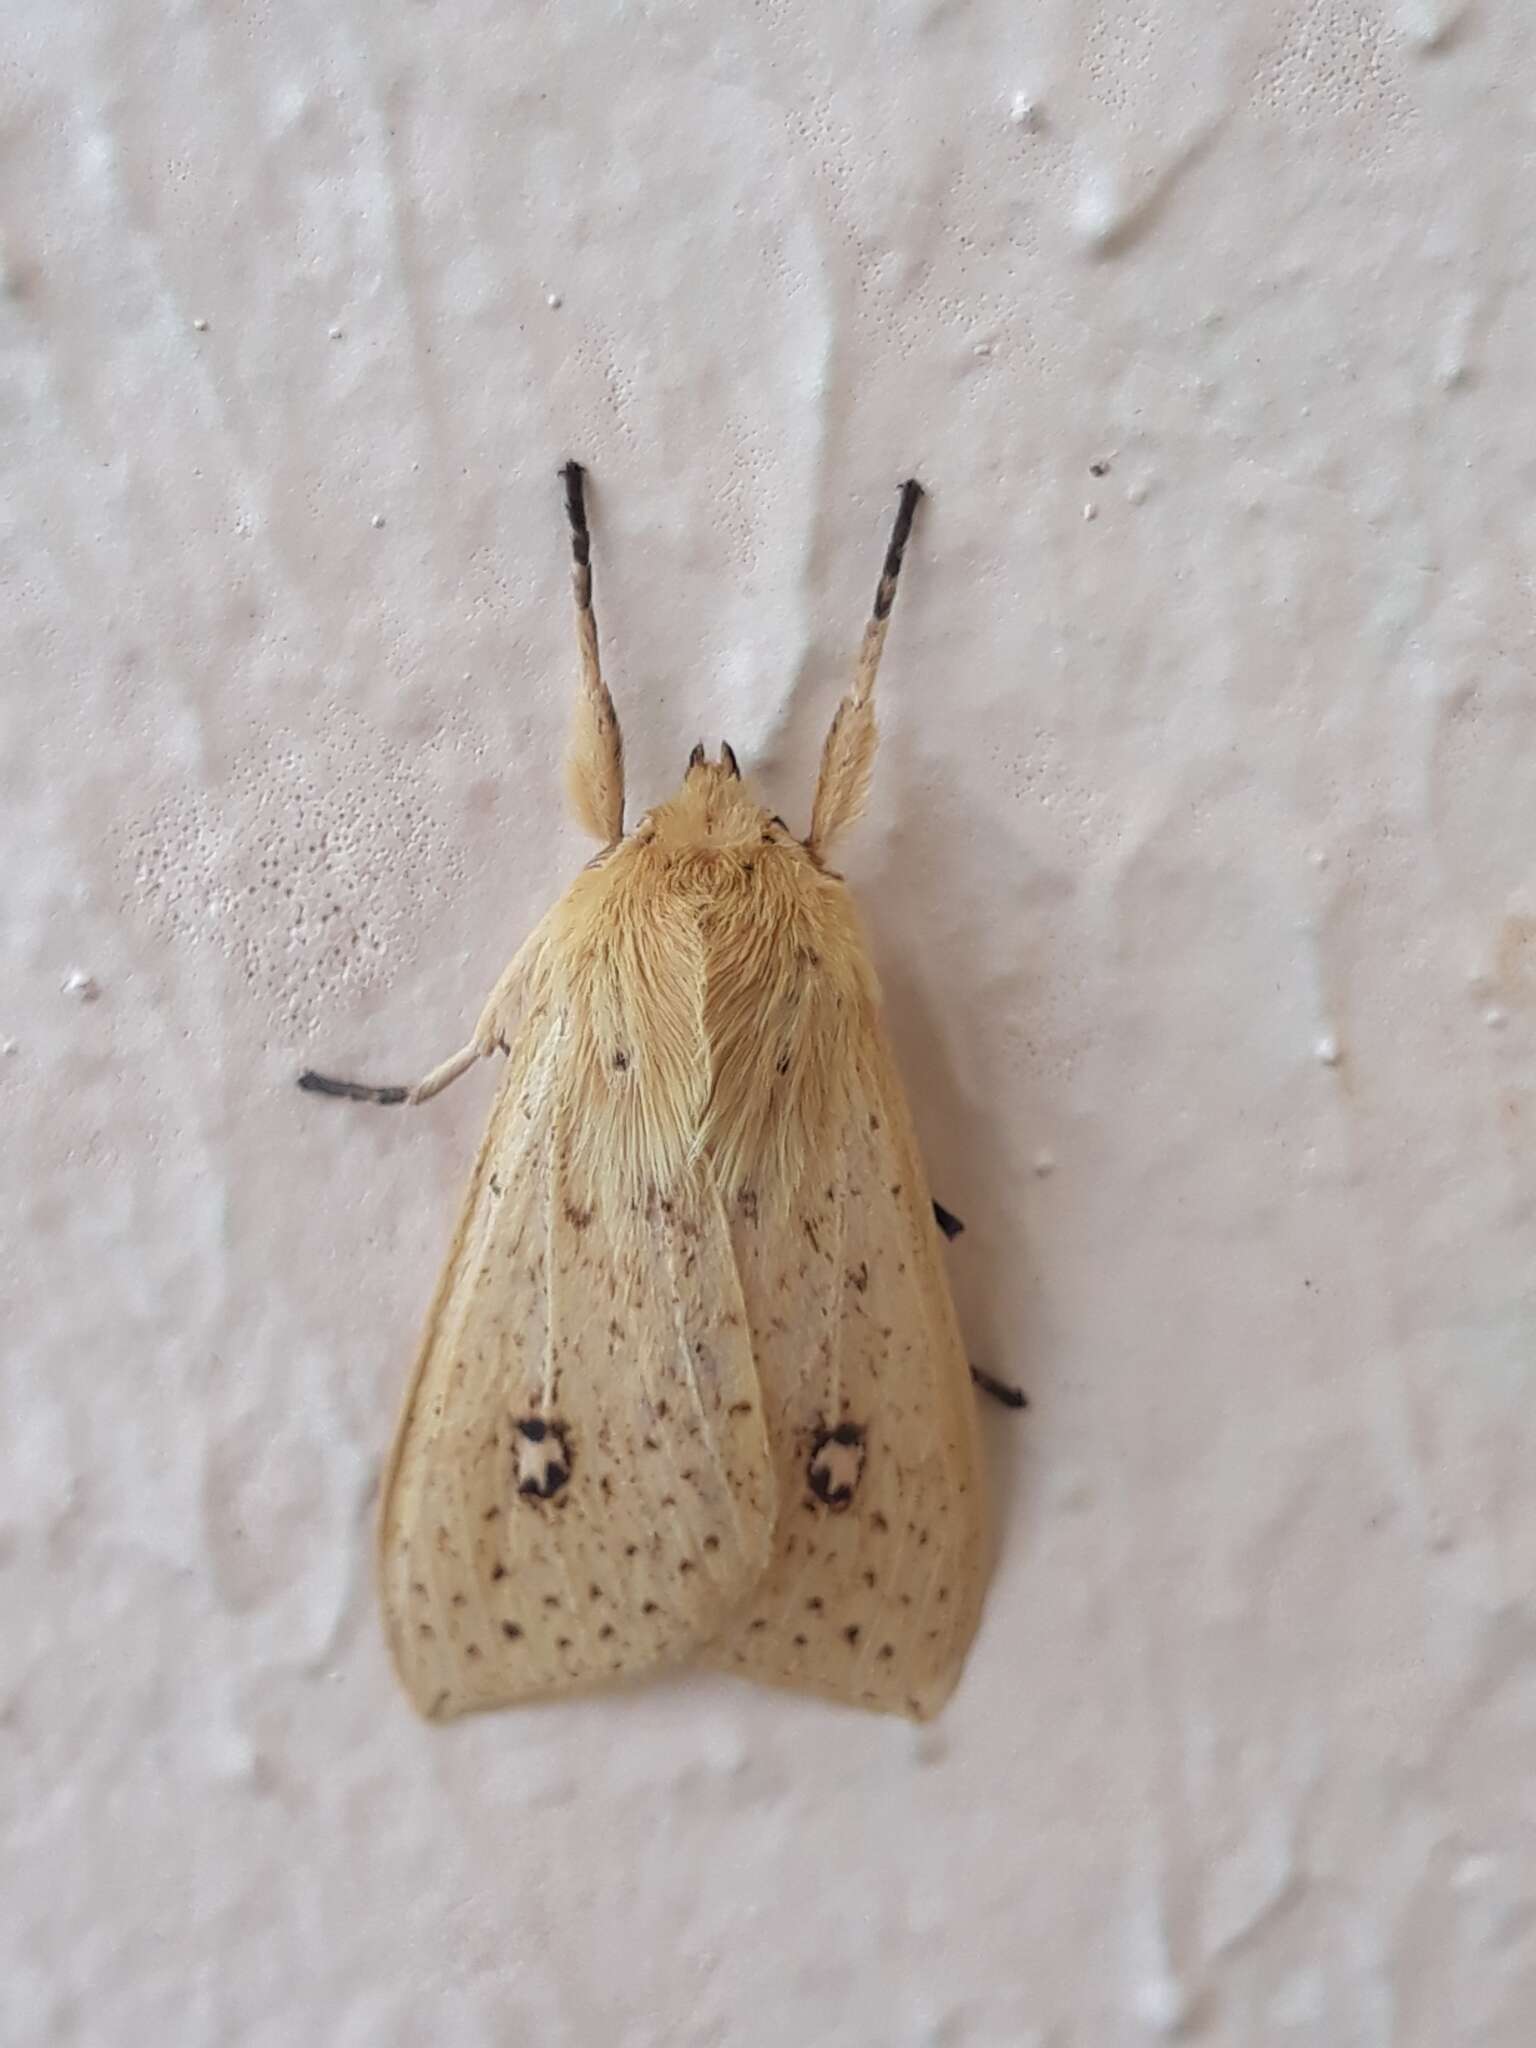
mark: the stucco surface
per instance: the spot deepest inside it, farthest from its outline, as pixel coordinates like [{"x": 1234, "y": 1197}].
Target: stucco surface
[{"x": 1199, "y": 874}]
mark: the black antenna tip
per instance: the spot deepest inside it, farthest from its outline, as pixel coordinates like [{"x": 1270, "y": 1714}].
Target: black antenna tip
[
  {"x": 575, "y": 478},
  {"x": 901, "y": 529},
  {"x": 911, "y": 491}
]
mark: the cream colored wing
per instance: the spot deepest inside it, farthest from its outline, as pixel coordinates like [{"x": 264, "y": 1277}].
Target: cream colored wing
[
  {"x": 581, "y": 1487},
  {"x": 879, "y": 1559}
]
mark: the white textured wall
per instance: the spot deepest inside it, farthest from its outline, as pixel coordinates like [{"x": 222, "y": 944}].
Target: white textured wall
[{"x": 1200, "y": 873}]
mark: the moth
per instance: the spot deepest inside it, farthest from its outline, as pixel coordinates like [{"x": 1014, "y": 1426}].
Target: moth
[{"x": 692, "y": 1388}]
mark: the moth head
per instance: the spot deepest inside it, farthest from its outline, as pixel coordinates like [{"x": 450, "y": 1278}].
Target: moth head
[{"x": 714, "y": 808}]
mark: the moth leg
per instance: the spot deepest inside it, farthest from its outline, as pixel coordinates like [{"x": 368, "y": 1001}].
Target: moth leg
[
  {"x": 450, "y": 1070},
  {"x": 422, "y": 1091},
  {"x": 1000, "y": 1390},
  {"x": 492, "y": 1034}
]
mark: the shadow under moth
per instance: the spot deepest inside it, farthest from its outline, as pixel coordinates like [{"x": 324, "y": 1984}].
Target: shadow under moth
[{"x": 692, "y": 1388}]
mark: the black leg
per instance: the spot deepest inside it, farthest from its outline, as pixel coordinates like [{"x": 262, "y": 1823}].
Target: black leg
[
  {"x": 429, "y": 1085},
  {"x": 1011, "y": 1397},
  {"x": 352, "y": 1091}
]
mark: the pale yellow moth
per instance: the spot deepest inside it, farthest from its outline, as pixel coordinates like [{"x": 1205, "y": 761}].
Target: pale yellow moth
[{"x": 692, "y": 1388}]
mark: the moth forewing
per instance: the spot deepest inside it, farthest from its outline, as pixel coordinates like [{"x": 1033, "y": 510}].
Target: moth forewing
[
  {"x": 580, "y": 1487},
  {"x": 875, "y": 1587}
]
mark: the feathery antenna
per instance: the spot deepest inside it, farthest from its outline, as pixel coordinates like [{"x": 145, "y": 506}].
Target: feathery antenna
[
  {"x": 848, "y": 756},
  {"x": 594, "y": 765}
]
